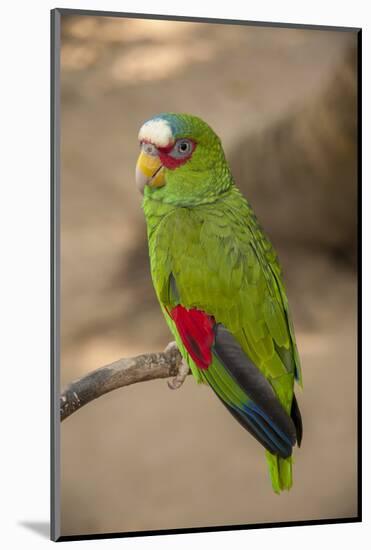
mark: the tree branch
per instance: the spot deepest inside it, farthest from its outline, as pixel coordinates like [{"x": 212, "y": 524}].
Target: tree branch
[{"x": 123, "y": 372}]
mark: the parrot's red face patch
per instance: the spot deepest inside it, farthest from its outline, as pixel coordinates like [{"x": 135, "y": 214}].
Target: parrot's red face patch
[
  {"x": 177, "y": 154},
  {"x": 174, "y": 154}
]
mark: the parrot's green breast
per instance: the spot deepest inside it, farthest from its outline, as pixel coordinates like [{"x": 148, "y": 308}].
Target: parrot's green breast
[{"x": 215, "y": 258}]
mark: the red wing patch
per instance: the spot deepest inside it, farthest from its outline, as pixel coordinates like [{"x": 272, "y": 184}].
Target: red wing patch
[{"x": 196, "y": 331}]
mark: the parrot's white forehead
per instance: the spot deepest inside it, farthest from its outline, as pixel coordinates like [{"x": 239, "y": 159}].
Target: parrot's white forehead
[{"x": 157, "y": 131}]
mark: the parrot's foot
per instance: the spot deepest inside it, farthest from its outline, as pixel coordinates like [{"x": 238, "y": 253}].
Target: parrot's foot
[
  {"x": 183, "y": 370},
  {"x": 171, "y": 345}
]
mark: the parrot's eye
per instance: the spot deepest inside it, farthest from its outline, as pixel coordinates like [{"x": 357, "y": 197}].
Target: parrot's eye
[
  {"x": 149, "y": 149},
  {"x": 182, "y": 148}
]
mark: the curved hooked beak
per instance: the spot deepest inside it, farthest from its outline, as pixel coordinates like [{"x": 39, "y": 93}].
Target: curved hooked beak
[{"x": 149, "y": 171}]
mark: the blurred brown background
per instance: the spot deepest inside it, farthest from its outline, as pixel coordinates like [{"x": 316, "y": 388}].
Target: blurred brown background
[{"x": 284, "y": 103}]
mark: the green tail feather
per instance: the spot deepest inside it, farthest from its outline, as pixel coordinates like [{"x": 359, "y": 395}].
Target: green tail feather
[{"x": 280, "y": 471}]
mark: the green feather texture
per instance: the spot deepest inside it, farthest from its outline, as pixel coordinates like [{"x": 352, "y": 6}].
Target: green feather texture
[{"x": 208, "y": 251}]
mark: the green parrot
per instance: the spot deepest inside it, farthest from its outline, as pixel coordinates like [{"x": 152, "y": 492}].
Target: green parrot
[{"x": 218, "y": 281}]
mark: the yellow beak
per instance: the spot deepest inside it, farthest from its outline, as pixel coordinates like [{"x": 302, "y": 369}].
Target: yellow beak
[{"x": 149, "y": 171}]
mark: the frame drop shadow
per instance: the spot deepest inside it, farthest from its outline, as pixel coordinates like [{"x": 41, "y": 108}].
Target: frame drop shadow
[{"x": 41, "y": 528}]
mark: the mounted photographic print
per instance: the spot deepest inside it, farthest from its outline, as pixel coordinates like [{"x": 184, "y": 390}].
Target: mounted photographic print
[{"x": 205, "y": 188}]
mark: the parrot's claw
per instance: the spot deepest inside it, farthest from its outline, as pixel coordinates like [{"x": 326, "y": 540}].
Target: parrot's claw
[
  {"x": 183, "y": 372},
  {"x": 170, "y": 346}
]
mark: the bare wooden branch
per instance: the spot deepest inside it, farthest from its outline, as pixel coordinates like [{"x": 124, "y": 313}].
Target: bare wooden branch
[{"x": 123, "y": 372}]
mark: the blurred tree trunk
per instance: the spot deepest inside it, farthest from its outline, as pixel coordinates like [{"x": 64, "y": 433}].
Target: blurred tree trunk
[{"x": 300, "y": 174}]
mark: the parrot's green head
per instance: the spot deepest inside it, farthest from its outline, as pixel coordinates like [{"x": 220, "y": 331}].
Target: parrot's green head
[{"x": 181, "y": 161}]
